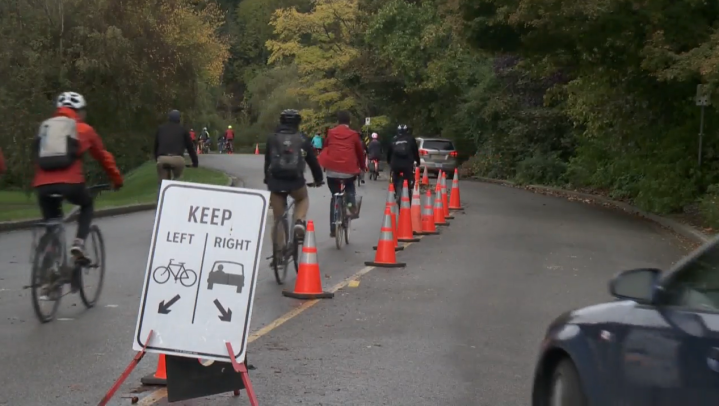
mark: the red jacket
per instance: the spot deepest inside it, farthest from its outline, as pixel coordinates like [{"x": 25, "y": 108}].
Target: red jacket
[
  {"x": 342, "y": 151},
  {"x": 230, "y": 134},
  {"x": 3, "y": 167},
  {"x": 89, "y": 142},
  {"x": 192, "y": 135}
]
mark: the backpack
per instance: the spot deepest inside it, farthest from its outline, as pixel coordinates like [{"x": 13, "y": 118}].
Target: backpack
[
  {"x": 57, "y": 144},
  {"x": 401, "y": 148},
  {"x": 287, "y": 160}
]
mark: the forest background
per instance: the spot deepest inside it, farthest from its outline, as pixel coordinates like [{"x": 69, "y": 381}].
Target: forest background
[{"x": 597, "y": 95}]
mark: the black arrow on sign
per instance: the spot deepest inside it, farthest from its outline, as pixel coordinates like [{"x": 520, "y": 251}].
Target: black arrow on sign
[
  {"x": 226, "y": 315},
  {"x": 165, "y": 308}
]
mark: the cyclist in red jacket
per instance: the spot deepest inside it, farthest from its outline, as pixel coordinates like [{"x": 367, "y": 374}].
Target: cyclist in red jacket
[{"x": 343, "y": 157}]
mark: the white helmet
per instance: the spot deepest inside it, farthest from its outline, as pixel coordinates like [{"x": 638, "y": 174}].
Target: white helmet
[
  {"x": 72, "y": 100},
  {"x": 374, "y": 136}
]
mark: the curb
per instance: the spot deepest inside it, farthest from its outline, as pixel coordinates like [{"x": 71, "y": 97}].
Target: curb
[
  {"x": 109, "y": 212},
  {"x": 678, "y": 228}
]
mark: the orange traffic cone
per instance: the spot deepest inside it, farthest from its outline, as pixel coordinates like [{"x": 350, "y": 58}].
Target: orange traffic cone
[
  {"x": 160, "y": 375},
  {"x": 438, "y": 210},
  {"x": 454, "y": 201},
  {"x": 428, "y": 227},
  {"x": 445, "y": 205},
  {"x": 404, "y": 229},
  {"x": 417, "y": 175},
  {"x": 309, "y": 280},
  {"x": 425, "y": 178},
  {"x": 385, "y": 256},
  {"x": 416, "y": 210},
  {"x": 257, "y": 149},
  {"x": 392, "y": 204}
]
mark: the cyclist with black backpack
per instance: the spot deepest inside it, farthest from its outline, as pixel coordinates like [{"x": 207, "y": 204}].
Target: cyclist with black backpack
[
  {"x": 286, "y": 153},
  {"x": 402, "y": 156}
]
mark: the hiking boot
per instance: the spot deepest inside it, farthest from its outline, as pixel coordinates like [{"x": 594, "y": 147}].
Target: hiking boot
[
  {"x": 78, "y": 249},
  {"x": 300, "y": 229}
]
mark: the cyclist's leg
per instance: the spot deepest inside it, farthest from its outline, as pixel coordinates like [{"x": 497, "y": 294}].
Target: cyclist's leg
[
  {"x": 334, "y": 185},
  {"x": 78, "y": 195},
  {"x": 50, "y": 207},
  {"x": 397, "y": 182},
  {"x": 302, "y": 205},
  {"x": 162, "y": 172},
  {"x": 350, "y": 192},
  {"x": 278, "y": 202},
  {"x": 178, "y": 166}
]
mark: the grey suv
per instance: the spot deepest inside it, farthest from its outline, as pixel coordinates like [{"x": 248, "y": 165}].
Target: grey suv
[{"x": 437, "y": 154}]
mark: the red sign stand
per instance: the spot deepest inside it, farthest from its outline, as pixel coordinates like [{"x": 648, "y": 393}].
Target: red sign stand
[
  {"x": 241, "y": 368},
  {"x": 135, "y": 360}
]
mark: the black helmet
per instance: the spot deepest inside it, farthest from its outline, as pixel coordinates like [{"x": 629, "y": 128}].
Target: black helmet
[
  {"x": 290, "y": 117},
  {"x": 174, "y": 116},
  {"x": 402, "y": 129}
]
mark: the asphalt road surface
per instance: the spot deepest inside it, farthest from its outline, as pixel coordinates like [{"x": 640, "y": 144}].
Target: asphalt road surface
[{"x": 459, "y": 326}]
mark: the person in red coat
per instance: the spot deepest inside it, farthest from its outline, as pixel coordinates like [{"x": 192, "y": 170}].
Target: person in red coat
[{"x": 342, "y": 158}]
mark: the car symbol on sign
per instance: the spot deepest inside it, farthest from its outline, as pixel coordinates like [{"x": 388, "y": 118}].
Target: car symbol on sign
[{"x": 220, "y": 276}]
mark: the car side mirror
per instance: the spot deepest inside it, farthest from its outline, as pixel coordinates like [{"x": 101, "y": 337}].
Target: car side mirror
[{"x": 638, "y": 285}]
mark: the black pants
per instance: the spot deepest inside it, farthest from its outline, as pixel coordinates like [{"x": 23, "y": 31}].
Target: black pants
[
  {"x": 335, "y": 185},
  {"x": 399, "y": 175},
  {"x": 75, "y": 193}
]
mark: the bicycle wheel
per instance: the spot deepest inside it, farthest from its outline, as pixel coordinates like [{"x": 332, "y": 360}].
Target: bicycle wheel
[
  {"x": 96, "y": 268},
  {"x": 348, "y": 224},
  {"x": 278, "y": 252},
  {"x": 161, "y": 274},
  {"x": 296, "y": 245},
  {"x": 48, "y": 258},
  {"x": 339, "y": 229},
  {"x": 188, "y": 278}
]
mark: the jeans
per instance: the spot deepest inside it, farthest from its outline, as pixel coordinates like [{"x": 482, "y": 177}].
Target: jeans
[
  {"x": 335, "y": 185},
  {"x": 75, "y": 193}
]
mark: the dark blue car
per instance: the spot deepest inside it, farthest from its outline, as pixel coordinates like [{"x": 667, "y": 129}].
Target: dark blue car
[{"x": 657, "y": 345}]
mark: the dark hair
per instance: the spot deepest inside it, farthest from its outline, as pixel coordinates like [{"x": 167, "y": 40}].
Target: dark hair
[{"x": 343, "y": 117}]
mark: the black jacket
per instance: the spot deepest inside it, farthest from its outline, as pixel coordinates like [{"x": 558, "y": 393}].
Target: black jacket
[
  {"x": 172, "y": 138},
  {"x": 403, "y": 162},
  {"x": 374, "y": 150},
  {"x": 284, "y": 185}
]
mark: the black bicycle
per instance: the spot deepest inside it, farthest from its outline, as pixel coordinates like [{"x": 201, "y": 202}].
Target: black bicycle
[
  {"x": 342, "y": 217},
  {"x": 290, "y": 249},
  {"x": 51, "y": 269}
]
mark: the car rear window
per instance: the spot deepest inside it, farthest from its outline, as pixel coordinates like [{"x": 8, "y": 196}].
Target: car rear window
[{"x": 438, "y": 144}]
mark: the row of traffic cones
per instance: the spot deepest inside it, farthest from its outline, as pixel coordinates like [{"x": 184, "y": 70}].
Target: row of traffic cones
[
  {"x": 415, "y": 218},
  {"x": 412, "y": 219}
]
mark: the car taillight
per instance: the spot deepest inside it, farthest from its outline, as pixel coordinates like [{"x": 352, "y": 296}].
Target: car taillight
[
  {"x": 423, "y": 152},
  {"x": 453, "y": 154}
]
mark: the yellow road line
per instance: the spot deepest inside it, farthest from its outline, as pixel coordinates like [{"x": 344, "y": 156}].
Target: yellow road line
[{"x": 160, "y": 394}]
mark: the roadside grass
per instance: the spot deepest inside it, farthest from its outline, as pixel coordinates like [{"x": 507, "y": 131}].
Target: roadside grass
[{"x": 140, "y": 187}]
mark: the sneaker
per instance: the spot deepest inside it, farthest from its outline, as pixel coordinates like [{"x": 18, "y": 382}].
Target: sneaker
[
  {"x": 300, "y": 229},
  {"x": 78, "y": 248}
]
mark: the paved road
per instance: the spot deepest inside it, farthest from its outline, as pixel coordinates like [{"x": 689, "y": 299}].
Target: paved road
[
  {"x": 75, "y": 359},
  {"x": 459, "y": 326}
]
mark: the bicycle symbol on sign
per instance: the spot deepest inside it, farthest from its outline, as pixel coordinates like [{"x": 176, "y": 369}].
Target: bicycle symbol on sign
[{"x": 187, "y": 277}]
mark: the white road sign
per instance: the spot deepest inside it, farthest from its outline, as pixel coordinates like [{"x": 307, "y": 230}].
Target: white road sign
[
  {"x": 367, "y": 120},
  {"x": 202, "y": 270}
]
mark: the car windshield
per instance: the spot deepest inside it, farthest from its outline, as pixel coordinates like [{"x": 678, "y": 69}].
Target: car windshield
[
  {"x": 441, "y": 145},
  {"x": 696, "y": 283}
]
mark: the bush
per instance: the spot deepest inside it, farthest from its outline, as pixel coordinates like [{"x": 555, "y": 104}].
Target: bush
[{"x": 541, "y": 169}]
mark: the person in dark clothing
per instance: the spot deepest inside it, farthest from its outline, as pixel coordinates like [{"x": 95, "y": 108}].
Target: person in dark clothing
[
  {"x": 374, "y": 152},
  {"x": 286, "y": 152},
  {"x": 402, "y": 156},
  {"x": 171, "y": 142}
]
